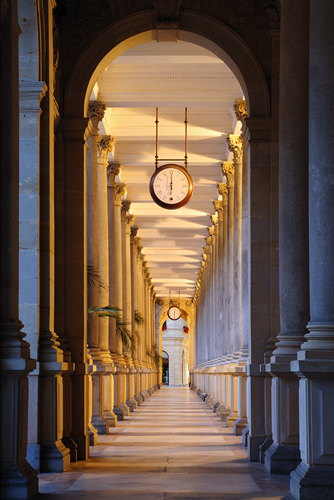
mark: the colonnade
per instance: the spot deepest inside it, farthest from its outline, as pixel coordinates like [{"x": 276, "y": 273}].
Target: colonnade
[
  {"x": 122, "y": 369},
  {"x": 291, "y": 433},
  {"x": 222, "y": 343}
]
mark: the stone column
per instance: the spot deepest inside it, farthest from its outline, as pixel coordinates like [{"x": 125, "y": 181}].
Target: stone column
[
  {"x": 120, "y": 408},
  {"x": 96, "y": 111},
  {"x": 228, "y": 171},
  {"x": 223, "y": 191},
  {"x": 283, "y": 456},
  {"x": 104, "y": 147},
  {"x": 218, "y": 204},
  {"x": 313, "y": 478},
  {"x": 17, "y": 476},
  {"x": 127, "y": 220},
  {"x": 234, "y": 143},
  {"x": 31, "y": 91}
]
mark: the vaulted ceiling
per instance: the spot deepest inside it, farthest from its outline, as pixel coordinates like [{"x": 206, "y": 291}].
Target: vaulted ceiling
[{"x": 170, "y": 76}]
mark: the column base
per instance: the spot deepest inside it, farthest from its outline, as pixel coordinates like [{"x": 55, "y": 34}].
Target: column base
[
  {"x": 253, "y": 445},
  {"x": 70, "y": 444},
  {"x": 280, "y": 459},
  {"x": 55, "y": 457},
  {"x": 245, "y": 434},
  {"x": 33, "y": 455},
  {"x": 231, "y": 419},
  {"x": 130, "y": 405},
  {"x": 139, "y": 399},
  {"x": 220, "y": 409},
  {"x": 82, "y": 442},
  {"x": 216, "y": 406},
  {"x": 19, "y": 482},
  {"x": 225, "y": 414},
  {"x": 312, "y": 483},
  {"x": 100, "y": 425},
  {"x": 119, "y": 413},
  {"x": 134, "y": 403},
  {"x": 92, "y": 437},
  {"x": 125, "y": 409},
  {"x": 264, "y": 447},
  {"x": 239, "y": 426},
  {"x": 110, "y": 418}
]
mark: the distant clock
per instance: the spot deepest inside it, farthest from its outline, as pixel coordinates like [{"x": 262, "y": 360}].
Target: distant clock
[
  {"x": 171, "y": 186},
  {"x": 174, "y": 313}
]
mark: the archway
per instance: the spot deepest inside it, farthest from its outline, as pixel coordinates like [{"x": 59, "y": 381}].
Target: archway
[{"x": 102, "y": 50}]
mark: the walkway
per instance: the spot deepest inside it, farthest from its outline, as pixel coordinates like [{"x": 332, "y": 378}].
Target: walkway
[{"x": 172, "y": 447}]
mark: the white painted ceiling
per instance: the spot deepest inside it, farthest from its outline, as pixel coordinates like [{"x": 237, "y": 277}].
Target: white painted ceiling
[{"x": 170, "y": 76}]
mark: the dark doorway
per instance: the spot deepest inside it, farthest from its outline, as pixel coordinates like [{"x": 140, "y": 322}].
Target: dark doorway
[{"x": 165, "y": 368}]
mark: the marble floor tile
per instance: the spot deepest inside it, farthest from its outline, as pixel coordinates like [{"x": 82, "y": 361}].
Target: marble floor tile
[{"x": 172, "y": 447}]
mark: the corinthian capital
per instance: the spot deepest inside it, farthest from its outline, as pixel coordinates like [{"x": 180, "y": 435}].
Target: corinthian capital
[
  {"x": 96, "y": 110},
  {"x": 120, "y": 190},
  {"x": 240, "y": 109},
  {"x": 211, "y": 230},
  {"x": 234, "y": 143},
  {"x": 105, "y": 145},
  {"x": 228, "y": 171},
  {"x": 134, "y": 231},
  {"x": 113, "y": 170},
  {"x": 129, "y": 221},
  {"x": 223, "y": 191},
  {"x": 206, "y": 249},
  {"x": 218, "y": 204},
  {"x": 208, "y": 240},
  {"x": 214, "y": 221},
  {"x": 125, "y": 207}
]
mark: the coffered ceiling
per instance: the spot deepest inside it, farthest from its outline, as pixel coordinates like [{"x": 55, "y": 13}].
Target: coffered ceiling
[{"x": 170, "y": 76}]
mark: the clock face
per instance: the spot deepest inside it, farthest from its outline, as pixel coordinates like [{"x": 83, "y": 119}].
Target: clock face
[
  {"x": 171, "y": 186},
  {"x": 174, "y": 313}
]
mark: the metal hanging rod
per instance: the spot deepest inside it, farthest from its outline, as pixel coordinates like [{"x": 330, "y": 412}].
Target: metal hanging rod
[{"x": 185, "y": 159}]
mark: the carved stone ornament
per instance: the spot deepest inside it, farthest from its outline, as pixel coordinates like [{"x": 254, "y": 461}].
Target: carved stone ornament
[
  {"x": 120, "y": 190},
  {"x": 240, "y": 13},
  {"x": 208, "y": 240},
  {"x": 273, "y": 10},
  {"x": 206, "y": 249},
  {"x": 96, "y": 110},
  {"x": 218, "y": 204},
  {"x": 228, "y": 171},
  {"x": 137, "y": 240},
  {"x": 167, "y": 13},
  {"x": 125, "y": 207},
  {"x": 105, "y": 145},
  {"x": 211, "y": 231},
  {"x": 240, "y": 109},
  {"x": 214, "y": 220},
  {"x": 113, "y": 169},
  {"x": 134, "y": 231},
  {"x": 129, "y": 221},
  {"x": 223, "y": 191},
  {"x": 234, "y": 143},
  {"x": 55, "y": 67}
]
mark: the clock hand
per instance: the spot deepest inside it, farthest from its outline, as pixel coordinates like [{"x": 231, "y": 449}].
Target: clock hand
[{"x": 171, "y": 182}]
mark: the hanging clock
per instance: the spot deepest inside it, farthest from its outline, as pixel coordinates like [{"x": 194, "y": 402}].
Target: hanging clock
[
  {"x": 174, "y": 313},
  {"x": 171, "y": 186}
]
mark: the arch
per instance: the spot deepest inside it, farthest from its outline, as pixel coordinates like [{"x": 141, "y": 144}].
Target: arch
[
  {"x": 186, "y": 313},
  {"x": 138, "y": 28}
]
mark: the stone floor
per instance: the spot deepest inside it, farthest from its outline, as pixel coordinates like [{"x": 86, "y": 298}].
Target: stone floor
[{"x": 172, "y": 447}]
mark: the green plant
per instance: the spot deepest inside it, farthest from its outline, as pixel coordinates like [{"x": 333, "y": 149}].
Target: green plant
[
  {"x": 122, "y": 330},
  {"x": 153, "y": 354},
  {"x": 95, "y": 280}
]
